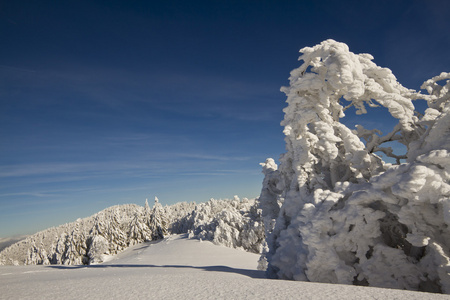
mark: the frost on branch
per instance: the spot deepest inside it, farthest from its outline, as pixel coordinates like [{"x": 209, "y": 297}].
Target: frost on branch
[{"x": 346, "y": 216}]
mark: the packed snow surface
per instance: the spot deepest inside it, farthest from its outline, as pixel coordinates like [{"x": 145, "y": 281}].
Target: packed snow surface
[{"x": 175, "y": 268}]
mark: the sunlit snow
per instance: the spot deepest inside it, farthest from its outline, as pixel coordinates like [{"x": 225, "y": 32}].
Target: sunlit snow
[{"x": 175, "y": 268}]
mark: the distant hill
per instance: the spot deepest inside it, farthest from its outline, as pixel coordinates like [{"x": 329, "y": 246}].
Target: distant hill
[{"x": 6, "y": 242}]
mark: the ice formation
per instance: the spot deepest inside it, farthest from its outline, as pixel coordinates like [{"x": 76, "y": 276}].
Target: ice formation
[{"x": 334, "y": 211}]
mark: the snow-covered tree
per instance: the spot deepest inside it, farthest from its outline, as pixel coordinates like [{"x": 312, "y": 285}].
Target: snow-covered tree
[
  {"x": 158, "y": 222},
  {"x": 177, "y": 214},
  {"x": 343, "y": 215},
  {"x": 138, "y": 230},
  {"x": 233, "y": 223},
  {"x": 98, "y": 248}
]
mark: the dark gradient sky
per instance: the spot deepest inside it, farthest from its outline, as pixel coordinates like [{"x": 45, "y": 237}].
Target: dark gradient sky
[{"x": 112, "y": 102}]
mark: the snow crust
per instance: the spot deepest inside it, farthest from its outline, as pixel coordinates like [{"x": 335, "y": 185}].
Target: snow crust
[
  {"x": 333, "y": 210},
  {"x": 175, "y": 268}
]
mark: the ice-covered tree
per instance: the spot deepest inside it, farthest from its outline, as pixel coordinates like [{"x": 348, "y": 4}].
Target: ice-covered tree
[
  {"x": 138, "y": 230},
  {"x": 158, "y": 222},
  {"x": 178, "y": 215},
  {"x": 233, "y": 223},
  {"x": 98, "y": 248},
  {"x": 343, "y": 215}
]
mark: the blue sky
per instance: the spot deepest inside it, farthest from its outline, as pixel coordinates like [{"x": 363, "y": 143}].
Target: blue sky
[{"x": 112, "y": 102}]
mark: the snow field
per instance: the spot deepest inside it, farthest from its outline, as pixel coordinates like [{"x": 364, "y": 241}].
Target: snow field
[{"x": 175, "y": 268}]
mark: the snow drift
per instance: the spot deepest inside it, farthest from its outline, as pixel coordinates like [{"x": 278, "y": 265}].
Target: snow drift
[{"x": 334, "y": 211}]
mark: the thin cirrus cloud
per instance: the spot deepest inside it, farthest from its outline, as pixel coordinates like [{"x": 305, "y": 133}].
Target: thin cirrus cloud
[
  {"x": 213, "y": 157},
  {"x": 107, "y": 87},
  {"x": 32, "y": 194},
  {"x": 108, "y": 167},
  {"x": 88, "y": 170}
]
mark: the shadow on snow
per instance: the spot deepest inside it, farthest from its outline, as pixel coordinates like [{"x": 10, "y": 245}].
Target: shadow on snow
[{"x": 245, "y": 272}]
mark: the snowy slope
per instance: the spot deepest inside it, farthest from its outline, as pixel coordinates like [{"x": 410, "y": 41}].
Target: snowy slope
[{"x": 175, "y": 268}]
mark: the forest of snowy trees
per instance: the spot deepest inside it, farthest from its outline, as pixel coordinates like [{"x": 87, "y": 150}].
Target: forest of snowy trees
[
  {"x": 334, "y": 210},
  {"x": 233, "y": 223}
]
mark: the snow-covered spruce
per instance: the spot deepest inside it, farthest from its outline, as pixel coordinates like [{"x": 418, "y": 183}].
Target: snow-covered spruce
[
  {"x": 345, "y": 216},
  {"x": 233, "y": 223}
]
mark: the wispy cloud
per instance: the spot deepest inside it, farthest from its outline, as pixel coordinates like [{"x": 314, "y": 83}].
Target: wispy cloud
[
  {"x": 45, "y": 169},
  {"x": 221, "y": 173},
  {"x": 192, "y": 94},
  {"x": 27, "y": 194},
  {"x": 146, "y": 164},
  {"x": 212, "y": 157},
  {"x": 17, "y": 69},
  {"x": 29, "y": 204}
]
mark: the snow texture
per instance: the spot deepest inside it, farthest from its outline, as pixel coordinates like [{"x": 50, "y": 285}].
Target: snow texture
[
  {"x": 334, "y": 211},
  {"x": 175, "y": 268}
]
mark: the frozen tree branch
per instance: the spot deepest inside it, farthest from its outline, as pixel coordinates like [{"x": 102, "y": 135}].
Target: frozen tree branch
[{"x": 346, "y": 216}]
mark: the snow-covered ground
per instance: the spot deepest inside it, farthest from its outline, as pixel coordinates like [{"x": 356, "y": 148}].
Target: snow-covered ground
[{"x": 175, "y": 268}]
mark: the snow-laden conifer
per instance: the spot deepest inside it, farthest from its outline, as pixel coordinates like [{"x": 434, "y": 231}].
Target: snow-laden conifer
[
  {"x": 158, "y": 222},
  {"x": 345, "y": 215},
  {"x": 233, "y": 223}
]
